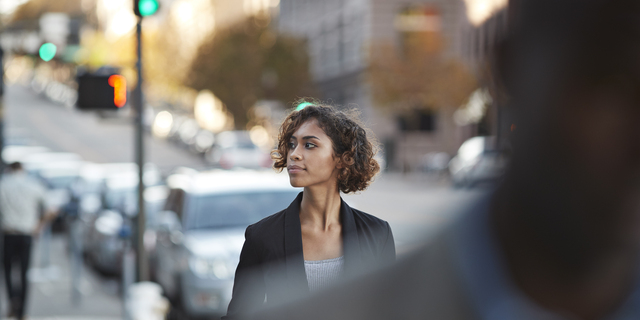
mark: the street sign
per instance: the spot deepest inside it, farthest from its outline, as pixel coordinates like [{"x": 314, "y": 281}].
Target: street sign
[{"x": 101, "y": 92}]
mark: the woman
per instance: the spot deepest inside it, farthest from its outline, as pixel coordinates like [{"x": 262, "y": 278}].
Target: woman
[{"x": 318, "y": 239}]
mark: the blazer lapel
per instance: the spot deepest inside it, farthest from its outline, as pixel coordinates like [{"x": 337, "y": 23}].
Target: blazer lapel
[
  {"x": 294, "y": 259},
  {"x": 352, "y": 257}
]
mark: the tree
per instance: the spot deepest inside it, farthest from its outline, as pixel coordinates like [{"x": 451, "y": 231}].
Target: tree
[
  {"x": 419, "y": 75},
  {"x": 249, "y": 62}
]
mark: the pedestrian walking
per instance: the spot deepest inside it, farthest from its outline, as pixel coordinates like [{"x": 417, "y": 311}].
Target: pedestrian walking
[
  {"x": 23, "y": 215},
  {"x": 318, "y": 239}
]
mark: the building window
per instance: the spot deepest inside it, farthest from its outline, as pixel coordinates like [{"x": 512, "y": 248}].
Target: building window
[
  {"x": 419, "y": 28},
  {"x": 417, "y": 120}
]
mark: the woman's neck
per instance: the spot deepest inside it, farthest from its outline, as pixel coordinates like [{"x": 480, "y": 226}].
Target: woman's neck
[{"x": 320, "y": 207}]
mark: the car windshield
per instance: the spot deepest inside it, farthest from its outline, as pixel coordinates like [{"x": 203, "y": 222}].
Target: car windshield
[{"x": 236, "y": 209}]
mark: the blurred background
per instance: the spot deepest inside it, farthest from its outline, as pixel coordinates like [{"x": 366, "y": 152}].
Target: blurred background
[{"x": 219, "y": 76}]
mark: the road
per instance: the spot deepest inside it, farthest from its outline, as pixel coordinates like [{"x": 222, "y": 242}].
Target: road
[
  {"x": 95, "y": 139},
  {"x": 415, "y": 205}
]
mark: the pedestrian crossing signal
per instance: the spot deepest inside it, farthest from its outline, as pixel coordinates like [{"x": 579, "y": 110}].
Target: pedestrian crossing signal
[
  {"x": 101, "y": 92},
  {"x": 119, "y": 84}
]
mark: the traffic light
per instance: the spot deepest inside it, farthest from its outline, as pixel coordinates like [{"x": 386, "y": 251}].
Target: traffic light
[
  {"x": 143, "y": 8},
  {"x": 47, "y": 51},
  {"x": 101, "y": 92}
]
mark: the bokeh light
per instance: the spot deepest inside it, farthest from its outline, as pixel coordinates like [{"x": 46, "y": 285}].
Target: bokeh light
[{"x": 162, "y": 124}]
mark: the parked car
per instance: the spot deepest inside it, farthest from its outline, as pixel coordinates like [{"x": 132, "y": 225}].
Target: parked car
[
  {"x": 478, "y": 161},
  {"x": 201, "y": 232},
  {"x": 93, "y": 177},
  {"x": 235, "y": 149},
  {"x": 59, "y": 178},
  {"x": 13, "y": 153},
  {"x": 103, "y": 241},
  {"x": 35, "y": 162}
]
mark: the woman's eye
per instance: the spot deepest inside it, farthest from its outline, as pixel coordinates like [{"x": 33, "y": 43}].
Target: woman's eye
[
  {"x": 291, "y": 145},
  {"x": 309, "y": 145}
]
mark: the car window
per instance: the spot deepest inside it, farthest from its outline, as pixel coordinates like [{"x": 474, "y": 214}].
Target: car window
[{"x": 234, "y": 210}]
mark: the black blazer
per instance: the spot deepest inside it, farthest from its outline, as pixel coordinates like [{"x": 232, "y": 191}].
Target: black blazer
[{"x": 271, "y": 268}]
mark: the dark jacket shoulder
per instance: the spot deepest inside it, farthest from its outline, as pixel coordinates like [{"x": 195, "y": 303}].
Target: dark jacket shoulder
[{"x": 267, "y": 232}]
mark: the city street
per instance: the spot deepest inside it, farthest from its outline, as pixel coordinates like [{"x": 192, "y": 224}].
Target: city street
[
  {"x": 415, "y": 205},
  {"x": 68, "y": 130}
]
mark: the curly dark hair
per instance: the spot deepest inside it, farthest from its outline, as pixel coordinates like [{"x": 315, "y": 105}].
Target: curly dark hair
[{"x": 349, "y": 138}]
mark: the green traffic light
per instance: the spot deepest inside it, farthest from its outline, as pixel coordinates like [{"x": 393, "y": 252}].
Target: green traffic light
[
  {"x": 47, "y": 51},
  {"x": 303, "y": 105},
  {"x": 148, "y": 7}
]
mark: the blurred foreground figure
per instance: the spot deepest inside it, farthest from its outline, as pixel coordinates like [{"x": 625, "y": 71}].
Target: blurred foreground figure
[
  {"x": 21, "y": 201},
  {"x": 560, "y": 237}
]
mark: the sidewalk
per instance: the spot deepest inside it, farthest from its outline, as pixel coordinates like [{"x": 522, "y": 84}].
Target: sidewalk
[
  {"x": 50, "y": 289},
  {"x": 416, "y": 205}
]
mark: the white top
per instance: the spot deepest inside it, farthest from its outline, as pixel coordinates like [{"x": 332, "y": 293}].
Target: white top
[
  {"x": 21, "y": 198},
  {"x": 323, "y": 273}
]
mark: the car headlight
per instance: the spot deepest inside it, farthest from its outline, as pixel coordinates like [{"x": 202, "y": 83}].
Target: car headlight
[{"x": 210, "y": 268}]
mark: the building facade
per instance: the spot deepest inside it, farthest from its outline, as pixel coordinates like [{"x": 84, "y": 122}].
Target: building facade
[{"x": 341, "y": 35}]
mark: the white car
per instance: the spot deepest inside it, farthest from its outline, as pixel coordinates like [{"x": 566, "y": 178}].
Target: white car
[
  {"x": 201, "y": 232},
  {"x": 17, "y": 153},
  {"x": 234, "y": 149},
  {"x": 477, "y": 161}
]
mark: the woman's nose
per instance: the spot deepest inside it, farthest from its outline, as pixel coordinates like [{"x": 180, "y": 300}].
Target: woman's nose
[{"x": 295, "y": 155}]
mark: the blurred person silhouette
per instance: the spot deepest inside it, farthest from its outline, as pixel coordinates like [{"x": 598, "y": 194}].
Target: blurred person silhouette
[
  {"x": 559, "y": 238},
  {"x": 22, "y": 199},
  {"x": 319, "y": 239}
]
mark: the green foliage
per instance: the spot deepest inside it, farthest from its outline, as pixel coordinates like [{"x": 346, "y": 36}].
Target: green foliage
[
  {"x": 421, "y": 77},
  {"x": 249, "y": 62}
]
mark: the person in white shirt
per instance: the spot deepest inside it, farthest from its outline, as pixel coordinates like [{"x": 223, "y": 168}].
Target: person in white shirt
[{"x": 22, "y": 200}]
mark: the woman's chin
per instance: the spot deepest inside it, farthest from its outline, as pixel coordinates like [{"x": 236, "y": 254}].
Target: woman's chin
[{"x": 296, "y": 183}]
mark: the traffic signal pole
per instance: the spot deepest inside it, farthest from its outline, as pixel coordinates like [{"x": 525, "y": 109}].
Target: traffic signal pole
[
  {"x": 2, "y": 164},
  {"x": 138, "y": 103}
]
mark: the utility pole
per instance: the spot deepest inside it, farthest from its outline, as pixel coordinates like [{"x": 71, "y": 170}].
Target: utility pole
[
  {"x": 138, "y": 102},
  {"x": 141, "y": 8},
  {"x": 2, "y": 164}
]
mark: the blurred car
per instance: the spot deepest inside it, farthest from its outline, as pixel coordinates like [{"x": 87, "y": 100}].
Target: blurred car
[
  {"x": 103, "y": 240},
  {"x": 202, "y": 142},
  {"x": 35, "y": 162},
  {"x": 93, "y": 177},
  {"x": 235, "y": 149},
  {"x": 435, "y": 162},
  {"x": 477, "y": 161},
  {"x": 59, "y": 178},
  {"x": 13, "y": 153},
  {"x": 201, "y": 232}
]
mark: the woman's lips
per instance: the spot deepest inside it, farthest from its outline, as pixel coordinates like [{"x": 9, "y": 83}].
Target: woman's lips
[{"x": 294, "y": 169}]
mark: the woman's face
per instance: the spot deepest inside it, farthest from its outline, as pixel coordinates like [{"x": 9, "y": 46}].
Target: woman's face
[{"x": 311, "y": 161}]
